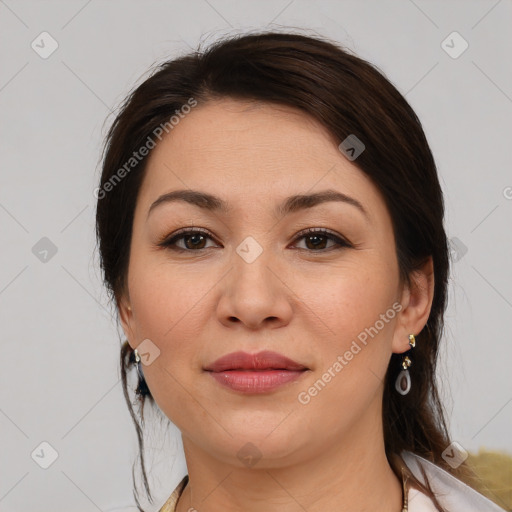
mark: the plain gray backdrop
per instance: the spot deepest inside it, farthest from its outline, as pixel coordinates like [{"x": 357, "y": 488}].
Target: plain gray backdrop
[{"x": 59, "y": 378}]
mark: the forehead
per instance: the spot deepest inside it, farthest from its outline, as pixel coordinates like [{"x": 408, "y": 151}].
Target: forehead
[
  {"x": 226, "y": 129},
  {"x": 253, "y": 149}
]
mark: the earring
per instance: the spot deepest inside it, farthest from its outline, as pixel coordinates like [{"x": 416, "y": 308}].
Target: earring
[
  {"x": 140, "y": 391},
  {"x": 403, "y": 381}
]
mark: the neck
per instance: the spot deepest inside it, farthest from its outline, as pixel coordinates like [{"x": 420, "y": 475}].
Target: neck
[{"x": 352, "y": 475}]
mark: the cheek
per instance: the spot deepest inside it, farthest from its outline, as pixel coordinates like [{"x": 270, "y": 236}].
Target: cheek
[
  {"x": 165, "y": 300},
  {"x": 355, "y": 312},
  {"x": 166, "y": 310},
  {"x": 348, "y": 300},
  {"x": 166, "y": 307},
  {"x": 354, "y": 355}
]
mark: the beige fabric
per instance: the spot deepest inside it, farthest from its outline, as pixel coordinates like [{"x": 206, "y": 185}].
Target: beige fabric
[{"x": 170, "y": 504}]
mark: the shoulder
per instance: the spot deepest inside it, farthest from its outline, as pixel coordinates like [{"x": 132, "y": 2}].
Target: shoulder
[{"x": 450, "y": 492}]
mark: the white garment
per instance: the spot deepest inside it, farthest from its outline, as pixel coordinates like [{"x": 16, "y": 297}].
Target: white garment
[{"x": 451, "y": 493}]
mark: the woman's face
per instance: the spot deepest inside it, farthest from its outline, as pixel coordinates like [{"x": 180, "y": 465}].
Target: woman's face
[{"x": 255, "y": 283}]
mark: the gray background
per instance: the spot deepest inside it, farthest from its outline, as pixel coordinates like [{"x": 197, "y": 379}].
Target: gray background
[{"x": 59, "y": 381}]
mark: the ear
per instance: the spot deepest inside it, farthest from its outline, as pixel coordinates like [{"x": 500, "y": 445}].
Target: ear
[
  {"x": 127, "y": 319},
  {"x": 416, "y": 301}
]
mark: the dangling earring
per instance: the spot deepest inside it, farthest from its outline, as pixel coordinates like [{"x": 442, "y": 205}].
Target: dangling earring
[
  {"x": 403, "y": 381},
  {"x": 142, "y": 387}
]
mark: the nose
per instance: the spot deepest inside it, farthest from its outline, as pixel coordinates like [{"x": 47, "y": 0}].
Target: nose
[{"x": 255, "y": 294}]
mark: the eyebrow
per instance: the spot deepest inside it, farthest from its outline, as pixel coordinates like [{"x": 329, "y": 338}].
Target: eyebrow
[{"x": 290, "y": 204}]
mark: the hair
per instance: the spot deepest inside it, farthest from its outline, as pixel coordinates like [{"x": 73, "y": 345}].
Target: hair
[{"x": 348, "y": 96}]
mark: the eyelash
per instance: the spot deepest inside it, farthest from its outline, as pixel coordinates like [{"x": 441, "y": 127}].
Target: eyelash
[{"x": 170, "y": 242}]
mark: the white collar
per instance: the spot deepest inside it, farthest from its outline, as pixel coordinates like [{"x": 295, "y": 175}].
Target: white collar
[{"x": 451, "y": 493}]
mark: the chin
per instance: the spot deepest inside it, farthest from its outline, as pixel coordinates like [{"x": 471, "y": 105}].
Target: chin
[{"x": 260, "y": 445}]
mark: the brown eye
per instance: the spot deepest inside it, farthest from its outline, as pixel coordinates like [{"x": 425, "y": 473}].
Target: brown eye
[
  {"x": 190, "y": 240},
  {"x": 316, "y": 240},
  {"x": 195, "y": 241}
]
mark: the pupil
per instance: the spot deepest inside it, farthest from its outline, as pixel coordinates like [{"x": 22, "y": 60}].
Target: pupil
[
  {"x": 196, "y": 239},
  {"x": 316, "y": 239}
]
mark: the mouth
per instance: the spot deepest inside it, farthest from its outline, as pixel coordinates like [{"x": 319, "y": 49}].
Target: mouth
[
  {"x": 255, "y": 373},
  {"x": 261, "y": 361}
]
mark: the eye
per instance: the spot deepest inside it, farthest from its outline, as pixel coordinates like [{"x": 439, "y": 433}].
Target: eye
[
  {"x": 316, "y": 238},
  {"x": 193, "y": 240},
  {"x": 189, "y": 239}
]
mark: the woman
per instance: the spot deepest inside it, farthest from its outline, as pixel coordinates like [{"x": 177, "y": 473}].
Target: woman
[{"x": 270, "y": 226}]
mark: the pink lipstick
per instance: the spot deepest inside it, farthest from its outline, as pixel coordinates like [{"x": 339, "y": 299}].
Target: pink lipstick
[{"x": 255, "y": 373}]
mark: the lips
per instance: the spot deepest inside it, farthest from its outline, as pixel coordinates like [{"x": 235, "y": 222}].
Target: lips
[
  {"x": 264, "y": 372},
  {"x": 261, "y": 361}
]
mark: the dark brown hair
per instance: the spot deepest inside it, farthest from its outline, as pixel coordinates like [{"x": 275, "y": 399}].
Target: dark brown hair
[{"x": 348, "y": 96}]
